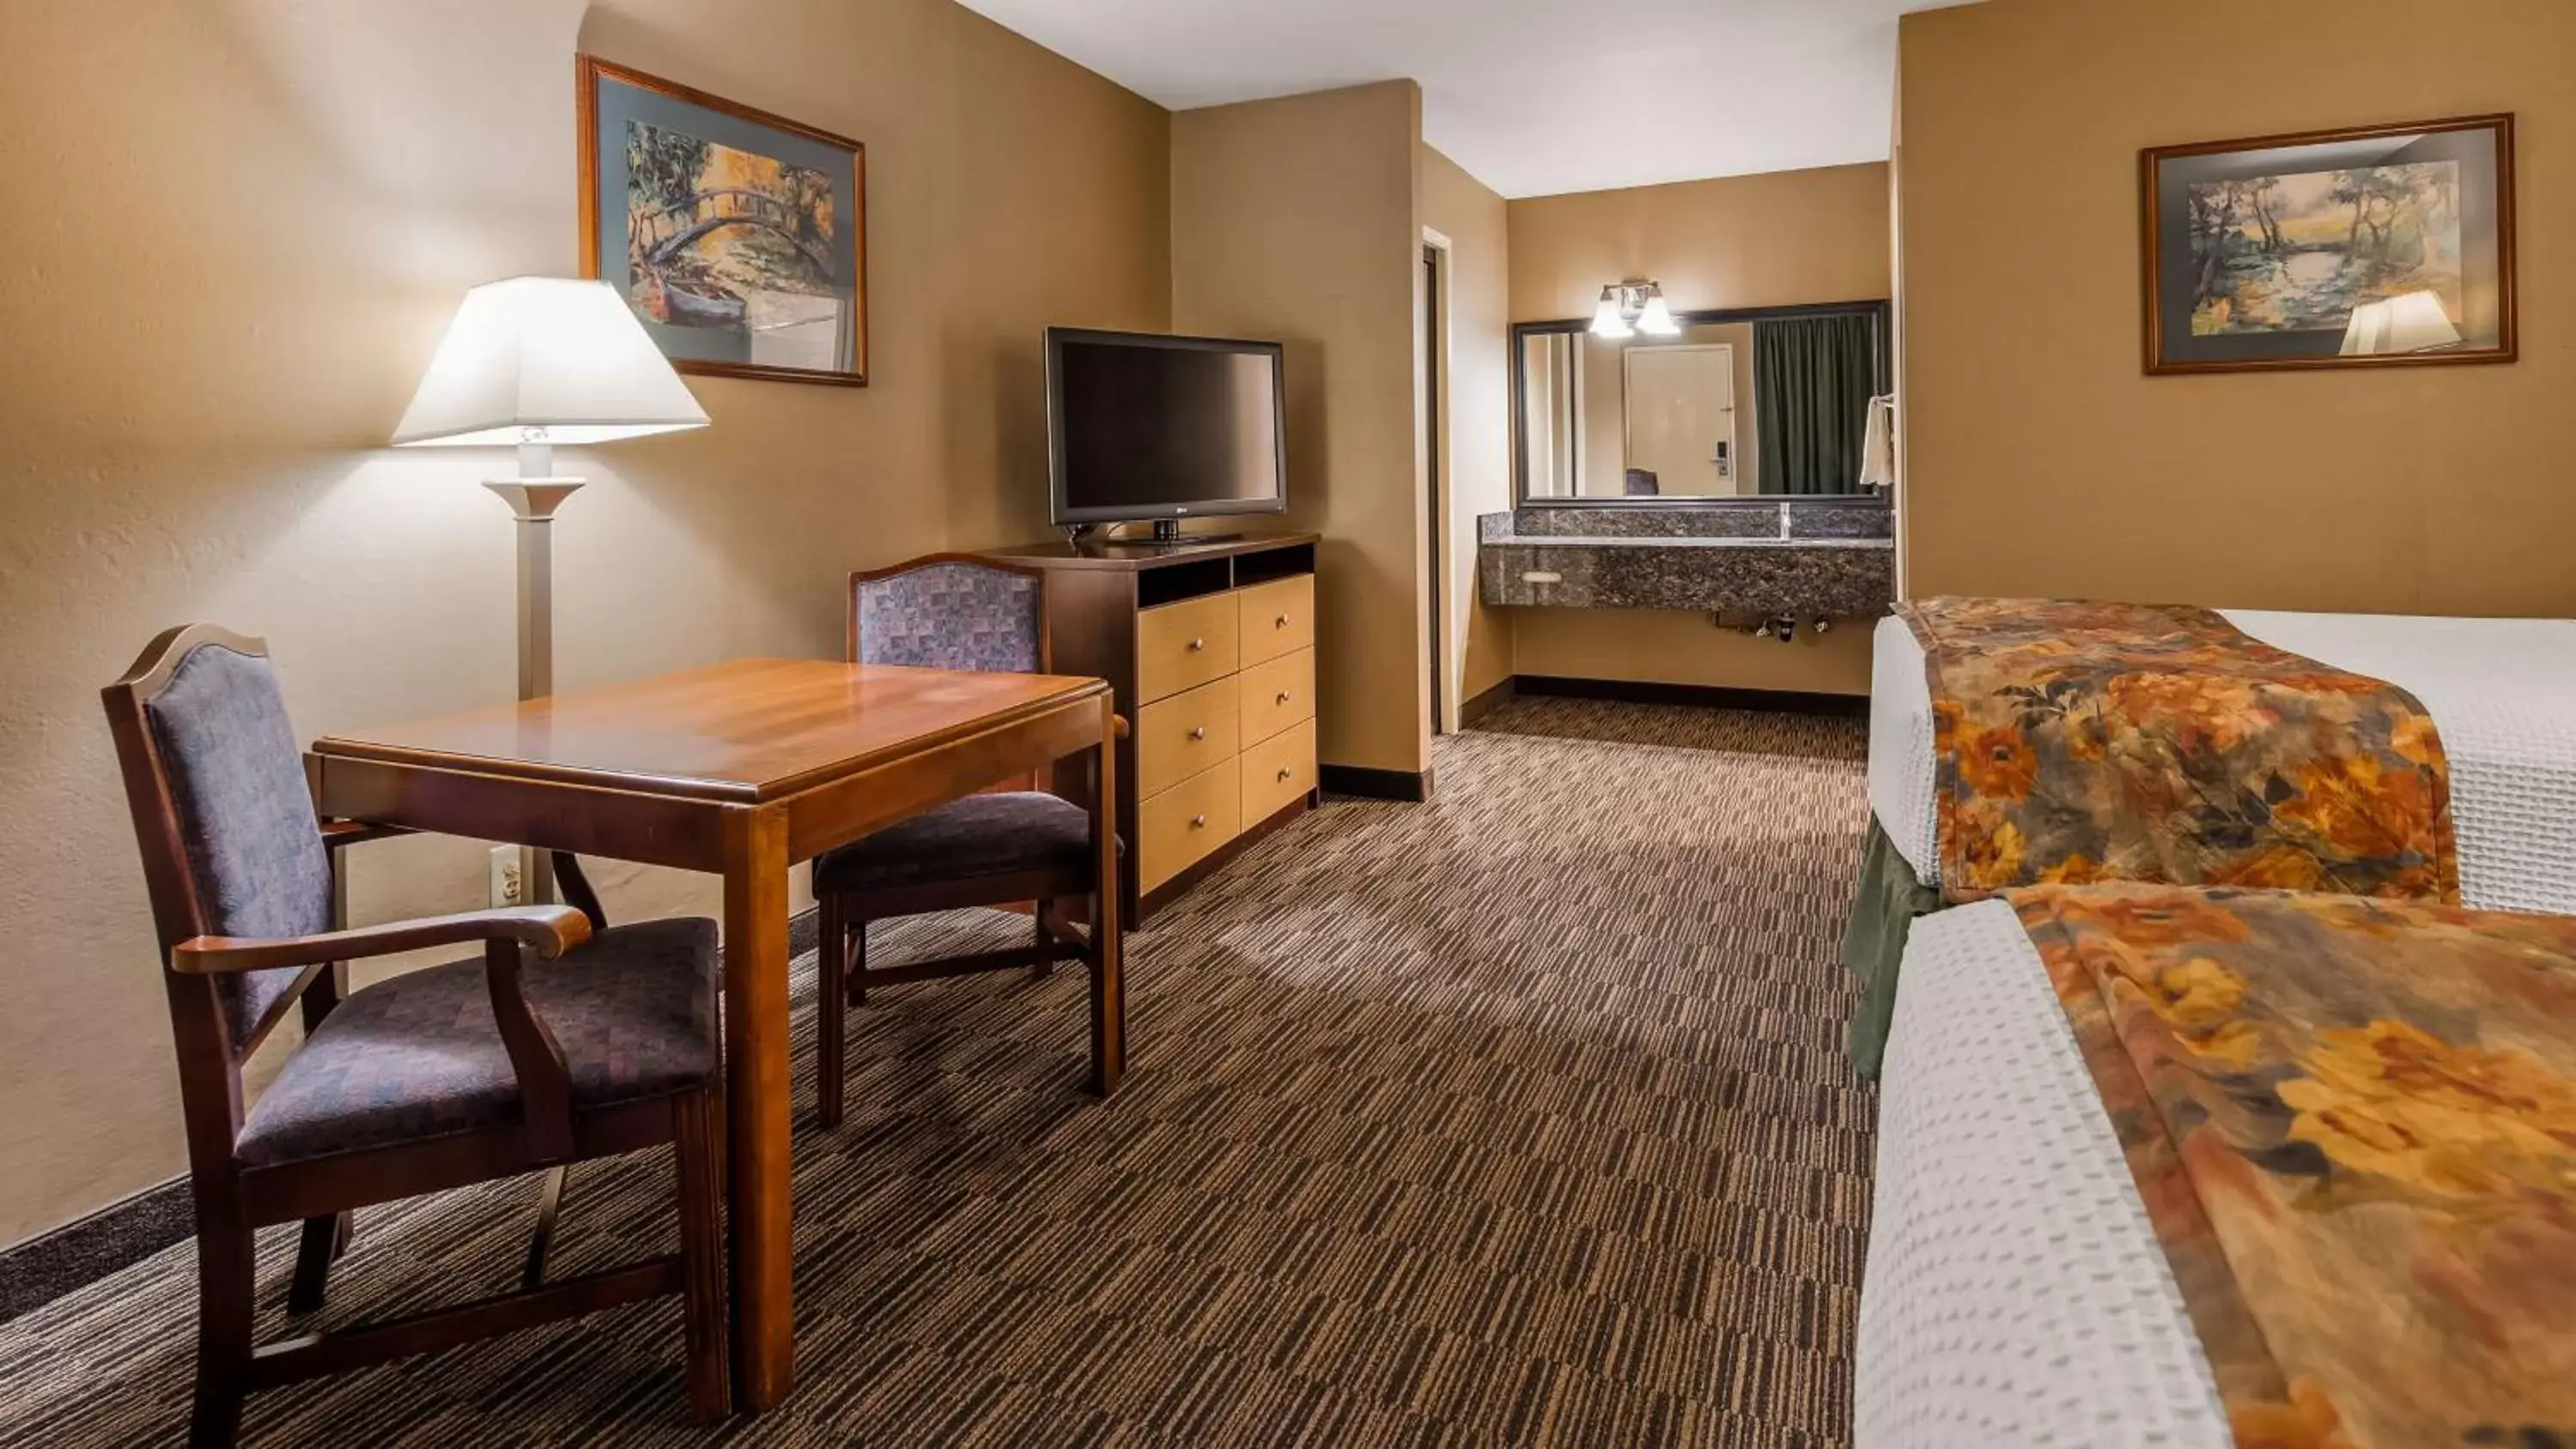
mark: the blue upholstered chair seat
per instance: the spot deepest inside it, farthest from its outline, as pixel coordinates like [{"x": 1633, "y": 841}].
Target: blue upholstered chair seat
[
  {"x": 981, "y": 835},
  {"x": 419, "y": 1056}
]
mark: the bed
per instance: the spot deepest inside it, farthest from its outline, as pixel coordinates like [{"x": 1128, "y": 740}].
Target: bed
[
  {"x": 2501, "y": 691},
  {"x": 2016, "y": 1290}
]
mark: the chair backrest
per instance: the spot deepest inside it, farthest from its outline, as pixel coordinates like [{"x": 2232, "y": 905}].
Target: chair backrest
[
  {"x": 1642, "y": 483},
  {"x": 951, "y": 611},
  {"x": 215, "y": 782}
]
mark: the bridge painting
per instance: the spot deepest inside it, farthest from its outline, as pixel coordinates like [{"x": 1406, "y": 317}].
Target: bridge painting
[{"x": 723, "y": 238}]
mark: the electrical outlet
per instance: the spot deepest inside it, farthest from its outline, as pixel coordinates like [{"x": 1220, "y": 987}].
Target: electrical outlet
[{"x": 508, "y": 886}]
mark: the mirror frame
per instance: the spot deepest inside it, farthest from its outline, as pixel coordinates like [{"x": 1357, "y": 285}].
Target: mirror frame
[{"x": 1876, "y": 309}]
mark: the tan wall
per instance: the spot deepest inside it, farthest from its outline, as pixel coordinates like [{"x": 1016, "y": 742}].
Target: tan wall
[
  {"x": 1745, "y": 241},
  {"x": 268, "y": 214},
  {"x": 1296, "y": 220},
  {"x": 1477, "y": 373},
  {"x": 2040, "y": 458}
]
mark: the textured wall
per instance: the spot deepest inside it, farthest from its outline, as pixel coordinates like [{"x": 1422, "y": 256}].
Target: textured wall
[
  {"x": 1478, "y": 376},
  {"x": 2040, "y": 459},
  {"x": 1298, "y": 220},
  {"x": 256, "y": 217},
  {"x": 1744, "y": 241}
]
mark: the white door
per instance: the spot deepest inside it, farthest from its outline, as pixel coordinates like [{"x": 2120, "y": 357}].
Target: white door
[{"x": 1681, "y": 407}]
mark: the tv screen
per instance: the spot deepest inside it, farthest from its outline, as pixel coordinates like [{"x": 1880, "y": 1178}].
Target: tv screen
[{"x": 1143, "y": 427}]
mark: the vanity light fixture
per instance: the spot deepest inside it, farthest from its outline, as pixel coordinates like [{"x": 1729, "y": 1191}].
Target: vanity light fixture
[{"x": 1628, "y": 308}]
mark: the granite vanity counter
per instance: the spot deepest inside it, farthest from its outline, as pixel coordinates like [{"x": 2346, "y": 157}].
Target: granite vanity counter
[{"x": 1816, "y": 560}]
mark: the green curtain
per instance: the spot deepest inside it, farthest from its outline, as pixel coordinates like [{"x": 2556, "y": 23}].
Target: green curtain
[{"x": 1811, "y": 387}]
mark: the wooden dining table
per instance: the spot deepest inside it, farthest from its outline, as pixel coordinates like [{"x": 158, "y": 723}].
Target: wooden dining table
[{"x": 740, "y": 770}]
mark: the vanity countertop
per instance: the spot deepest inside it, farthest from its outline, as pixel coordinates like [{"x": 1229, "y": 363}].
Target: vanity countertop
[{"x": 1838, "y": 561}]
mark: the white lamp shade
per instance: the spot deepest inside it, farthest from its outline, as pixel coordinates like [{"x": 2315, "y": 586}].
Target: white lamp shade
[
  {"x": 1608, "y": 321},
  {"x": 545, "y": 352},
  {"x": 2414, "y": 322},
  {"x": 1657, "y": 319}
]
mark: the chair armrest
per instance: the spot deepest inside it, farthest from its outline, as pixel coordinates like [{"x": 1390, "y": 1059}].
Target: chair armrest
[
  {"x": 1118, "y": 722},
  {"x": 337, "y": 833},
  {"x": 548, "y": 930}
]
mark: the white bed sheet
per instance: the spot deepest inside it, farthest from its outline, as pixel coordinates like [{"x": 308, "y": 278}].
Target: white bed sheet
[
  {"x": 2501, "y": 691},
  {"x": 2015, "y": 1295}
]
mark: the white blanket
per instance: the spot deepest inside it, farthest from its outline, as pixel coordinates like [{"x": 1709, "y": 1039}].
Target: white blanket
[
  {"x": 2015, "y": 1294},
  {"x": 2501, "y": 691}
]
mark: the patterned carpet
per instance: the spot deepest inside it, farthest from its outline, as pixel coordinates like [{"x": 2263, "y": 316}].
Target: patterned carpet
[{"x": 1516, "y": 1118}]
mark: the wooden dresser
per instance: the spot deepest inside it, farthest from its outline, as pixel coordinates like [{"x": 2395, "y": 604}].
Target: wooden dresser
[{"x": 1210, "y": 648}]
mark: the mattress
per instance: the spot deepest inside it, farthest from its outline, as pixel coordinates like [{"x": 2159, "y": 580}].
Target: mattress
[
  {"x": 2501, "y": 691},
  {"x": 2014, "y": 1292}
]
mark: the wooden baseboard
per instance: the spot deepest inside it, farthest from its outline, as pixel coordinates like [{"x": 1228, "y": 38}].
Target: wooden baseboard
[
  {"x": 1705, "y": 696},
  {"x": 1411, "y": 787},
  {"x": 1486, "y": 703}
]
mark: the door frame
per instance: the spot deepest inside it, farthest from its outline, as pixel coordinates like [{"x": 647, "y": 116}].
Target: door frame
[{"x": 1432, "y": 317}]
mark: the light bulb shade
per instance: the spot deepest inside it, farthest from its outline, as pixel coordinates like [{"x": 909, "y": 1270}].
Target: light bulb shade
[
  {"x": 1656, "y": 319},
  {"x": 2414, "y": 322},
  {"x": 545, "y": 352},
  {"x": 1609, "y": 320}
]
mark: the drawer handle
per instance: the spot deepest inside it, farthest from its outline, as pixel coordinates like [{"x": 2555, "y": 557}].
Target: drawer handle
[
  {"x": 1196, "y": 645},
  {"x": 1198, "y": 822},
  {"x": 1283, "y": 776},
  {"x": 1283, "y": 696},
  {"x": 1279, "y": 623},
  {"x": 1200, "y": 733}
]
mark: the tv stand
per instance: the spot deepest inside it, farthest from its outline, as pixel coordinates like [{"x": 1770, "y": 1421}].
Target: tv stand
[{"x": 1209, "y": 646}]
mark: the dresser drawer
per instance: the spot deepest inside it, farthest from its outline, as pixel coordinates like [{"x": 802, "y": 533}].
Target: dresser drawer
[
  {"x": 1278, "y": 617},
  {"x": 1177, "y": 828},
  {"x": 1276, "y": 694},
  {"x": 1184, "y": 645},
  {"x": 1277, "y": 771},
  {"x": 1179, "y": 736}
]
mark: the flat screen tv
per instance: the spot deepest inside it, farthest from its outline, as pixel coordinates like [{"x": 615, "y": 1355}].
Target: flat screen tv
[{"x": 1164, "y": 428}]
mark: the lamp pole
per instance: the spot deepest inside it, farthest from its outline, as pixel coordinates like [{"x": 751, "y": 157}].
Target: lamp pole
[{"x": 533, "y": 497}]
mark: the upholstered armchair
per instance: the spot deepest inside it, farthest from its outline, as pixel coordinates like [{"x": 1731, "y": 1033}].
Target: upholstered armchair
[
  {"x": 552, "y": 1046},
  {"x": 953, "y": 611}
]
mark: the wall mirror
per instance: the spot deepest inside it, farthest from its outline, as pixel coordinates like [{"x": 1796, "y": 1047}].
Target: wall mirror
[{"x": 1758, "y": 403}]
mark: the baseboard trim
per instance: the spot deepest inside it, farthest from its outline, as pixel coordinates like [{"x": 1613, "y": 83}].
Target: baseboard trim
[
  {"x": 1485, "y": 703},
  {"x": 123, "y": 1233},
  {"x": 1409, "y": 786},
  {"x": 1705, "y": 696},
  {"x": 80, "y": 1252}
]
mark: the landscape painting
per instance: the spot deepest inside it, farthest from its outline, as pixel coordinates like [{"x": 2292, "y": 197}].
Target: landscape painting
[
  {"x": 2291, "y": 253},
  {"x": 2367, "y": 247},
  {"x": 733, "y": 234}
]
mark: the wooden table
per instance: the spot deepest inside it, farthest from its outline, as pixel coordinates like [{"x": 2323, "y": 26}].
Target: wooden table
[{"x": 737, "y": 770}]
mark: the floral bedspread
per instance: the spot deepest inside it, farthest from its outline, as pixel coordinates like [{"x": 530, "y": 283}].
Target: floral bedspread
[
  {"x": 2353, "y": 1123},
  {"x": 2078, "y": 742}
]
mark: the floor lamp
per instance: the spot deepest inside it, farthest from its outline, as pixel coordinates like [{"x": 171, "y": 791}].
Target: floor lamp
[{"x": 531, "y": 362}]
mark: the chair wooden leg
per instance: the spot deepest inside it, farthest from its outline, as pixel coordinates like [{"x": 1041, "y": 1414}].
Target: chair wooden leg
[
  {"x": 325, "y": 1239},
  {"x": 224, "y": 1287},
  {"x": 832, "y": 1012},
  {"x": 541, "y": 1243},
  {"x": 697, "y": 1146},
  {"x": 858, "y": 963},
  {"x": 1046, "y": 939}
]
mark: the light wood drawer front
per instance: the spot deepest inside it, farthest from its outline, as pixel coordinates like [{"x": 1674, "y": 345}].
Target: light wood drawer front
[
  {"x": 1277, "y": 694},
  {"x": 1278, "y": 770},
  {"x": 1182, "y": 824},
  {"x": 1180, "y": 736},
  {"x": 1184, "y": 645},
  {"x": 1278, "y": 617}
]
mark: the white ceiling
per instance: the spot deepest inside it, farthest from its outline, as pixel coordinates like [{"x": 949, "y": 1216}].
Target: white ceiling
[{"x": 1533, "y": 97}]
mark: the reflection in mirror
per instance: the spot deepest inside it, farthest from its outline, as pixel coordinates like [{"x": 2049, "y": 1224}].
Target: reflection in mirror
[{"x": 1734, "y": 406}]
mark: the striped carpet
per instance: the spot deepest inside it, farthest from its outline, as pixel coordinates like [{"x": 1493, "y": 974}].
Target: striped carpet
[{"x": 1516, "y": 1118}]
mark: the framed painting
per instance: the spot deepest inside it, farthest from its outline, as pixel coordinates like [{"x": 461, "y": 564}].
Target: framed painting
[
  {"x": 2373, "y": 247},
  {"x": 738, "y": 237}
]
